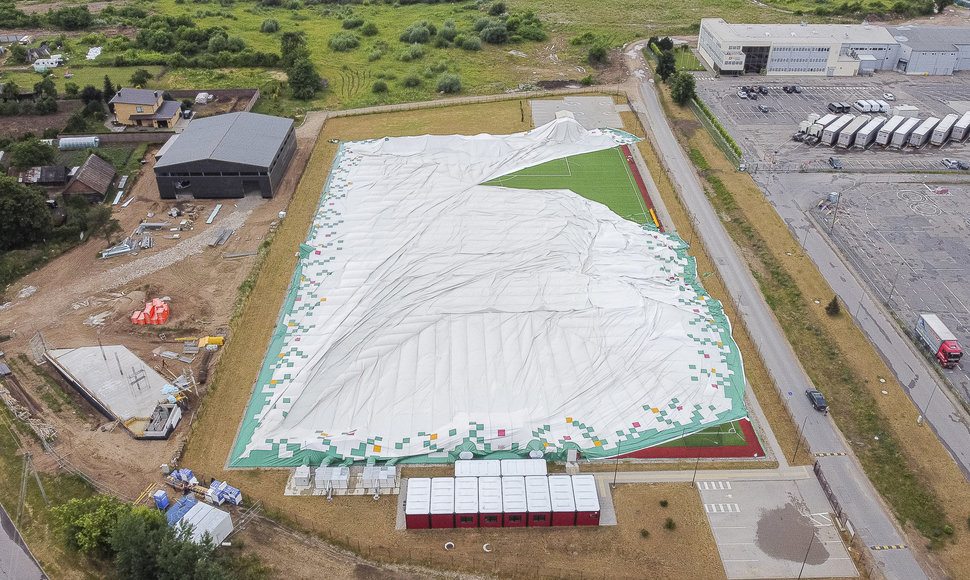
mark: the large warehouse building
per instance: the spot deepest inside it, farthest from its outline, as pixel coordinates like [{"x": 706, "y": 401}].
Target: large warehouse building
[
  {"x": 227, "y": 156},
  {"x": 832, "y": 49}
]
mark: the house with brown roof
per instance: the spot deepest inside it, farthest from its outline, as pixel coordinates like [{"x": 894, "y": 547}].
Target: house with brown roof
[
  {"x": 92, "y": 179},
  {"x": 145, "y": 108}
]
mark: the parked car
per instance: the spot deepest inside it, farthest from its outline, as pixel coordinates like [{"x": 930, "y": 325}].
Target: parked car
[
  {"x": 743, "y": 94},
  {"x": 817, "y": 400},
  {"x": 949, "y": 163},
  {"x": 788, "y": 89},
  {"x": 753, "y": 96},
  {"x": 888, "y": 97},
  {"x": 763, "y": 108},
  {"x": 763, "y": 89},
  {"x": 796, "y": 88},
  {"x": 835, "y": 163},
  {"x": 963, "y": 165}
]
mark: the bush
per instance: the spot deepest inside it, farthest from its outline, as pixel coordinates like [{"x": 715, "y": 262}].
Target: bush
[
  {"x": 669, "y": 524},
  {"x": 343, "y": 42},
  {"x": 420, "y": 32},
  {"x": 411, "y": 81},
  {"x": 449, "y": 83},
  {"x": 583, "y": 39},
  {"x": 597, "y": 54},
  {"x": 720, "y": 128},
  {"x": 664, "y": 503},
  {"x": 497, "y": 9},
  {"x": 833, "y": 308},
  {"x": 471, "y": 43},
  {"x": 644, "y": 533},
  {"x": 369, "y": 29},
  {"x": 587, "y": 80},
  {"x": 379, "y": 87},
  {"x": 351, "y": 23},
  {"x": 531, "y": 32},
  {"x": 269, "y": 26},
  {"x": 413, "y": 52},
  {"x": 375, "y": 54},
  {"x": 495, "y": 34},
  {"x": 448, "y": 33}
]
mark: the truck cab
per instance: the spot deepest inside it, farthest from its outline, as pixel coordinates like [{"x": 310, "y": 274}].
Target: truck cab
[{"x": 949, "y": 354}]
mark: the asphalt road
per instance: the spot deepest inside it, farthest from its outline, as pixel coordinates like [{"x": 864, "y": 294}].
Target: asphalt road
[{"x": 852, "y": 489}]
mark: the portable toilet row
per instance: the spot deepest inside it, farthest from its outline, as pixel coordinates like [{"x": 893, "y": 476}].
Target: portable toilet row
[
  {"x": 499, "y": 467},
  {"x": 512, "y": 501}
]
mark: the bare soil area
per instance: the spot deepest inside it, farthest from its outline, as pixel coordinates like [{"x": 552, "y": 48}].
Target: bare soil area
[{"x": 14, "y": 127}]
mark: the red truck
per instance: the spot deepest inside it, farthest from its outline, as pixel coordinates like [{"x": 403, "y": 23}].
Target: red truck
[{"x": 936, "y": 337}]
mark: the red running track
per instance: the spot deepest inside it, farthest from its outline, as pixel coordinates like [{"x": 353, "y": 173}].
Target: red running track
[
  {"x": 752, "y": 449},
  {"x": 640, "y": 185}
]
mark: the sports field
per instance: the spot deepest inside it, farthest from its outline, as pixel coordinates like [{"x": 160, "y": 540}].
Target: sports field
[
  {"x": 602, "y": 176},
  {"x": 724, "y": 435}
]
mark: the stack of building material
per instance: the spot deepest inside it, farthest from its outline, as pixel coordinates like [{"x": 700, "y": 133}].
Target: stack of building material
[
  {"x": 221, "y": 492},
  {"x": 124, "y": 247},
  {"x": 185, "y": 475},
  {"x": 179, "y": 509},
  {"x": 213, "y": 341},
  {"x": 155, "y": 312}
]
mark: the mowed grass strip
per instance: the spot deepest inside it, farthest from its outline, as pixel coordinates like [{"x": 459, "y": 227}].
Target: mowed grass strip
[
  {"x": 602, "y": 176},
  {"x": 907, "y": 465}
]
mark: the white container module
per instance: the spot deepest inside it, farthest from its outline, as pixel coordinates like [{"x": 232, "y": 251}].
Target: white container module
[
  {"x": 587, "y": 502},
  {"x": 490, "y": 502},
  {"x": 826, "y": 120},
  {"x": 417, "y": 503},
  {"x": 847, "y": 136},
  {"x": 887, "y": 130},
  {"x": 523, "y": 467},
  {"x": 514, "y": 505},
  {"x": 562, "y": 499},
  {"x": 378, "y": 476},
  {"x": 478, "y": 468},
  {"x": 923, "y": 133},
  {"x": 331, "y": 477},
  {"x": 538, "y": 502},
  {"x": 962, "y": 128},
  {"x": 901, "y": 135},
  {"x": 301, "y": 476},
  {"x": 442, "y": 502},
  {"x": 867, "y": 135},
  {"x": 466, "y": 502},
  {"x": 941, "y": 134},
  {"x": 831, "y": 133}
]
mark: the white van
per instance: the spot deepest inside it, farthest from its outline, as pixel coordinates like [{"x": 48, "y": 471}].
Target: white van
[
  {"x": 863, "y": 106},
  {"x": 883, "y": 106}
]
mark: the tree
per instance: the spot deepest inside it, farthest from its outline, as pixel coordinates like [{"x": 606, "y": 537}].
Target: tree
[
  {"x": 90, "y": 94},
  {"x": 293, "y": 48},
  {"x": 136, "y": 539},
  {"x": 46, "y": 88},
  {"x": 30, "y": 153},
  {"x": 449, "y": 83},
  {"x": 666, "y": 64},
  {"x": 833, "y": 308},
  {"x": 109, "y": 89},
  {"x": 76, "y": 123},
  {"x": 10, "y": 91},
  {"x": 269, "y": 26},
  {"x": 88, "y": 524},
  {"x": 665, "y": 44},
  {"x": 71, "y": 90},
  {"x": 140, "y": 77},
  {"x": 304, "y": 79},
  {"x": 597, "y": 54},
  {"x": 682, "y": 86},
  {"x": 24, "y": 216},
  {"x": 18, "y": 54}
]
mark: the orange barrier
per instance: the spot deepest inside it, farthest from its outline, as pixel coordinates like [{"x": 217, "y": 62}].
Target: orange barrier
[{"x": 156, "y": 312}]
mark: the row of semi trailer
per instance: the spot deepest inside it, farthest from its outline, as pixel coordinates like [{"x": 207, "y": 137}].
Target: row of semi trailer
[{"x": 896, "y": 132}]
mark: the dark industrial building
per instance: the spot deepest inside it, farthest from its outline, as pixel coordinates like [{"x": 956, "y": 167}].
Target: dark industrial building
[{"x": 227, "y": 156}]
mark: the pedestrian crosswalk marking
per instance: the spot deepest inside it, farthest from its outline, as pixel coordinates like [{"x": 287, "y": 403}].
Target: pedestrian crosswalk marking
[
  {"x": 720, "y": 508},
  {"x": 714, "y": 485}
]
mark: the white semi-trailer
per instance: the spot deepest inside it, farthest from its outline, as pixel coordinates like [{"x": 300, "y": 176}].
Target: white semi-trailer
[
  {"x": 886, "y": 131},
  {"x": 867, "y": 135},
  {"x": 847, "y": 135},
  {"x": 961, "y": 129},
  {"x": 901, "y": 135},
  {"x": 941, "y": 134},
  {"x": 923, "y": 133},
  {"x": 831, "y": 133}
]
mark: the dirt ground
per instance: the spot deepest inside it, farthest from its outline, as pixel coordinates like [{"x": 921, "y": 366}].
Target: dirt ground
[{"x": 14, "y": 127}]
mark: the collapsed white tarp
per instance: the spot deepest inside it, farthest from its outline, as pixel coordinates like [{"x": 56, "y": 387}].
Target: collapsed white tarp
[{"x": 431, "y": 312}]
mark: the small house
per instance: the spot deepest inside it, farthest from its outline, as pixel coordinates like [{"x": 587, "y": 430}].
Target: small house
[
  {"x": 562, "y": 499},
  {"x": 442, "y": 502},
  {"x": 417, "y": 504},
  {"x": 490, "y": 502},
  {"x": 92, "y": 179},
  {"x": 514, "y": 505},
  {"x": 46, "y": 175},
  {"x": 537, "y": 501},
  {"x": 466, "y": 502},
  {"x": 145, "y": 108}
]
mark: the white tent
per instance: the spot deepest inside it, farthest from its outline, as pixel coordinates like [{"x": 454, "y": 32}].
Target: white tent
[{"x": 205, "y": 519}]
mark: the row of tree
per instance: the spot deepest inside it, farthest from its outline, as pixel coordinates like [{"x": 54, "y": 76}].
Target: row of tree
[
  {"x": 682, "y": 84},
  {"x": 42, "y": 102}
]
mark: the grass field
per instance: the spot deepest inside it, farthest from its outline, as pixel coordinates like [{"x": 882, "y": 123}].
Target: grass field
[
  {"x": 725, "y": 435},
  {"x": 686, "y": 60},
  {"x": 602, "y": 176},
  {"x": 84, "y": 74}
]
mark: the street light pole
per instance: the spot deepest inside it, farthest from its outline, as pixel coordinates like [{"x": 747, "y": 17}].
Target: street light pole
[
  {"x": 889, "y": 301},
  {"x": 798, "y": 441},
  {"x": 805, "y": 559}
]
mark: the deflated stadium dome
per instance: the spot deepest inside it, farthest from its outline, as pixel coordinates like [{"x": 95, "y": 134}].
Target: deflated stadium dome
[{"x": 430, "y": 314}]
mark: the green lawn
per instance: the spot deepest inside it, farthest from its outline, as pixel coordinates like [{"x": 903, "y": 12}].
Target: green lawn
[
  {"x": 686, "y": 60},
  {"x": 84, "y": 74},
  {"x": 728, "y": 434},
  {"x": 602, "y": 176}
]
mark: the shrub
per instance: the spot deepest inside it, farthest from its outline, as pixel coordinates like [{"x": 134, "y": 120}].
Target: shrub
[
  {"x": 495, "y": 34},
  {"x": 379, "y": 87},
  {"x": 369, "y": 29},
  {"x": 448, "y": 33},
  {"x": 587, "y": 80},
  {"x": 583, "y": 39},
  {"x": 833, "y": 308},
  {"x": 351, "y": 23},
  {"x": 664, "y": 503},
  {"x": 483, "y": 23},
  {"x": 449, "y": 83},
  {"x": 644, "y": 533},
  {"x": 459, "y": 40},
  {"x": 531, "y": 32},
  {"x": 269, "y": 26},
  {"x": 420, "y": 32},
  {"x": 343, "y": 42},
  {"x": 669, "y": 524},
  {"x": 596, "y": 54},
  {"x": 411, "y": 81},
  {"x": 413, "y": 52},
  {"x": 497, "y": 9},
  {"x": 375, "y": 54},
  {"x": 472, "y": 43}
]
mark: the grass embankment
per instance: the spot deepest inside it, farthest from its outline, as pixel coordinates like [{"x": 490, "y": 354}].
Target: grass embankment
[
  {"x": 785, "y": 430},
  {"x": 907, "y": 464}
]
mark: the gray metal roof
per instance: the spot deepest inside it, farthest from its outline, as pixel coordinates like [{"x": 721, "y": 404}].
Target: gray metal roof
[
  {"x": 130, "y": 96},
  {"x": 793, "y": 34},
  {"x": 244, "y": 138},
  {"x": 931, "y": 38}
]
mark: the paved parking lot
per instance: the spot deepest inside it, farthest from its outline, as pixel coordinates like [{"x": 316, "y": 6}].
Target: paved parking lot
[
  {"x": 774, "y": 529},
  {"x": 766, "y": 141}
]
